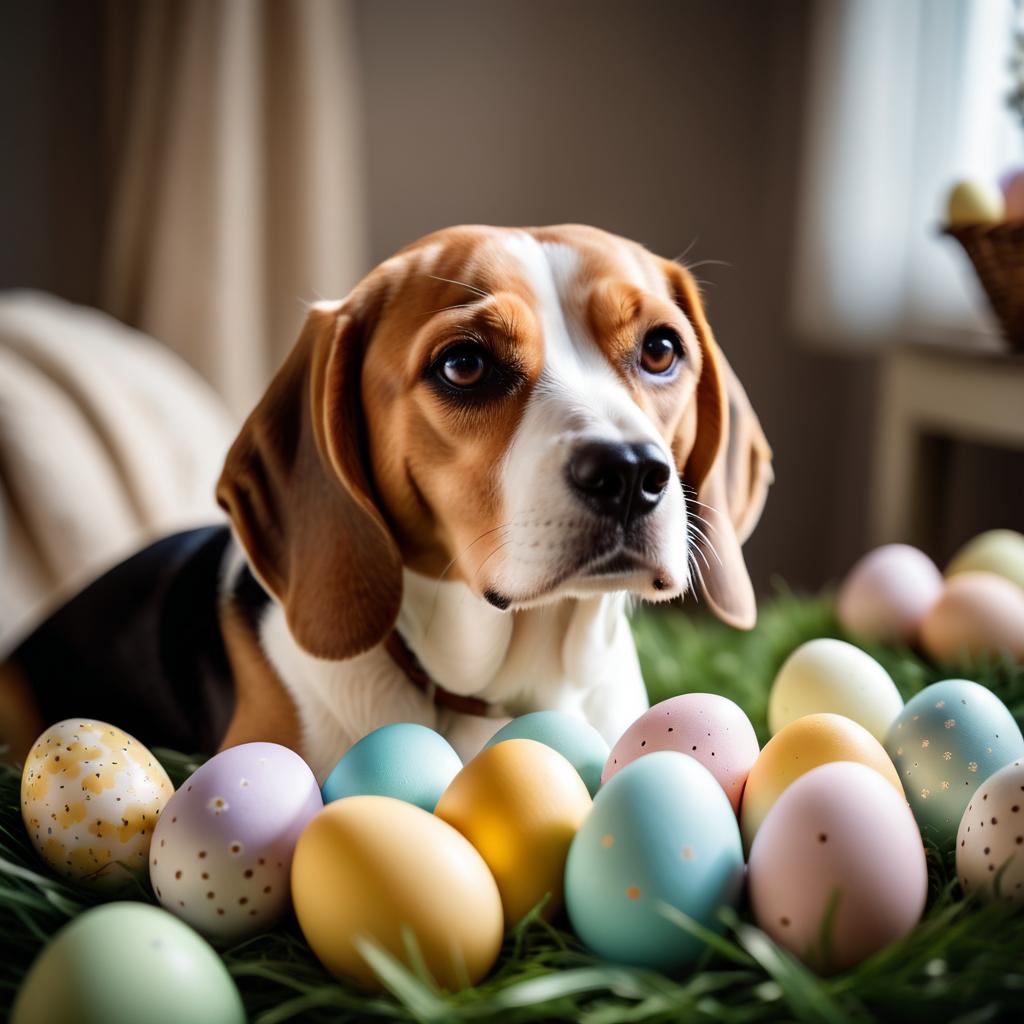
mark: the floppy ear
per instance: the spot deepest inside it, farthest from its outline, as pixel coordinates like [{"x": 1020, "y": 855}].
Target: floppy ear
[
  {"x": 299, "y": 496},
  {"x": 723, "y": 456}
]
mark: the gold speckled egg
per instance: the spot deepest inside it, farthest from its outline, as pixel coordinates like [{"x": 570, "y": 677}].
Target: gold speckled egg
[
  {"x": 797, "y": 748},
  {"x": 90, "y": 797},
  {"x": 520, "y": 804},
  {"x": 381, "y": 869}
]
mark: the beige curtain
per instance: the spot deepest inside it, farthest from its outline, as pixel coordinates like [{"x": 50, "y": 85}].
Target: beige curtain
[{"x": 237, "y": 193}]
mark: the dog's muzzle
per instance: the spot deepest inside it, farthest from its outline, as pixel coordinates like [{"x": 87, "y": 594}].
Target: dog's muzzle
[{"x": 622, "y": 482}]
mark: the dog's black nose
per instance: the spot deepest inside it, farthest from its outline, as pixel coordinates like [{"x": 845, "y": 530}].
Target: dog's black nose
[{"x": 624, "y": 481}]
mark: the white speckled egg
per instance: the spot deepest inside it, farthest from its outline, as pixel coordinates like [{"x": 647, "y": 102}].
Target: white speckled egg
[
  {"x": 839, "y": 833},
  {"x": 990, "y": 840},
  {"x": 834, "y": 676},
  {"x": 90, "y": 798},
  {"x": 980, "y": 616},
  {"x": 945, "y": 743},
  {"x": 706, "y": 726},
  {"x": 887, "y": 593},
  {"x": 998, "y": 551},
  {"x": 222, "y": 853}
]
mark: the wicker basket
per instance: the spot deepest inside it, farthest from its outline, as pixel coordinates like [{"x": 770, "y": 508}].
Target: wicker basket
[{"x": 997, "y": 252}]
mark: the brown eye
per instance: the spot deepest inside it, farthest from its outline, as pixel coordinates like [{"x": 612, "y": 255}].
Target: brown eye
[
  {"x": 465, "y": 366},
  {"x": 660, "y": 351}
]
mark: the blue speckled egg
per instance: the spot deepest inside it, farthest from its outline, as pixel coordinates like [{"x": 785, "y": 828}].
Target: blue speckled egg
[
  {"x": 661, "y": 832},
  {"x": 406, "y": 761},
  {"x": 577, "y": 741},
  {"x": 945, "y": 743}
]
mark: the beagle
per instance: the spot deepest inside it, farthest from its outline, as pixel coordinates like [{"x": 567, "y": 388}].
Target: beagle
[{"x": 439, "y": 511}]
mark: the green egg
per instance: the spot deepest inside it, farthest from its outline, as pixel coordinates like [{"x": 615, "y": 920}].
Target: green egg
[
  {"x": 577, "y": 741},
  {"x": 128, "y": 963},
  {"x": 998, "y": 551}
]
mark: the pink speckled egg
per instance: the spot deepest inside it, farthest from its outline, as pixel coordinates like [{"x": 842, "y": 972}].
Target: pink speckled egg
[
  {"x": 711, "y": 729},
  {"x": 222, "y": 851},
  {"x": 1012, "y": 184},
  {"x": 887, "y": 593},
  {"x": 839, "y": 837}
]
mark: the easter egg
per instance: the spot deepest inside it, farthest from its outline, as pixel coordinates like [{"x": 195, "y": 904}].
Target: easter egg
[
  {"x": 372, "y": 867},
  {"x": 222, "y": 851},
  {"x": 974, "y": 202},
  {"x": 832, "y": 675},
  {"x": 797, "y": 748},
  {"x": 990, "y": 840},
  {"x": 662, "y": 832},
  {"x": 887, "y": 593},
  {"x": 840, "y": 840},
  {"x": 979, "y": 616},
  {"x": 998, "y": 551},
  {"x": 519, "y": 803},
  {"x": 90, "y": 798},
  {"x": 576, "y": 740},
  {"x": 122, "y": 963},
  {"x": 710, "y": 728},
  {"x": 406, "y": 761},
  {"x": 1012, "y": 184},
  {"x": 945, "y": 743}
]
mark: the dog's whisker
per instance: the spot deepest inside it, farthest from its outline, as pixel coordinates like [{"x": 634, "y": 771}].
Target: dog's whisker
[{"x": 462, "y": 284}]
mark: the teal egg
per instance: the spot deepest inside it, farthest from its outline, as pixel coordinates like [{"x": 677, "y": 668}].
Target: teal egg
[
  {"x": 122, "y": 963},
  {"x": 661, "y": 831},
  {"x": 945, "y": 743},
  {"x": 577, "y": 741},
  {"x": 406, "y": 761}
]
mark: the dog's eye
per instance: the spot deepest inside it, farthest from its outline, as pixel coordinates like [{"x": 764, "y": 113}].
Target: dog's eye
[
  {"x": 660, "y": 351},
  {"x": 465, "y": 366}
]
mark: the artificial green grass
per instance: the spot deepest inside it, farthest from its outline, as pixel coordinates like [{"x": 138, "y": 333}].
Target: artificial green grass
[{"x": 963, "y": 963}]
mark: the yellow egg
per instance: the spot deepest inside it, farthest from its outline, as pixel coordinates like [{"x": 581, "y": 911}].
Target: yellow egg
[
  {"x": 378, "y": 868},
  {"x": 832, "y": 675},
  {"x": 519, "y": 803},
  {"x": 979, "y": 615},
  {"x": 90, "y": 798},
  {"x": 799, "y": 747},
  {"x": 998, "y": 551},
  {"x": 975, "y": 202}
]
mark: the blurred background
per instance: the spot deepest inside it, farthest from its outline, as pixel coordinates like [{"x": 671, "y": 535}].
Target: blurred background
[{"x": 201, "y": 169}]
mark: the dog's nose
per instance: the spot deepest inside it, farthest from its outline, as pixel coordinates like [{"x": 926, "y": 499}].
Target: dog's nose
[{"x": 624, "y": 481}]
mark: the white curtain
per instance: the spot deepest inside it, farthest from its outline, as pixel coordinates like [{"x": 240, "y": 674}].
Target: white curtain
[
  {"x": 905, "y": 97},
  {"x": 237, "y": 194}
]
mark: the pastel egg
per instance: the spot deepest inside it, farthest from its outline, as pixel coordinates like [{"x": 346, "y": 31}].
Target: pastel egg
[
  {"x": 122, "y": 963},
  {"x": 797, "y": 748},
  {"x": 662, "y": 833},
  {"x": 990, "y": 840},
  {"x": 90, "y": 798},
  {"x": 832, "y": 675},
  {"x": 887, "y": 593},
  {"x": 576, "y": 740},
  {"x": 378, "y": 869},
  {"x": 945, "y": 743},
  {"x": 709, "y": 728},
  {"x": 840, "y": 840},
  {"x": 222, "y": 851},
  {"x": 974, "y": 202},
  {"x": 998, "y": 551},
  {"x": 980, "y": 616},
  {"x": 1012, "y": 184},
  {"x": 520, "y": 804},
  {"x": 406, "y": 761}
]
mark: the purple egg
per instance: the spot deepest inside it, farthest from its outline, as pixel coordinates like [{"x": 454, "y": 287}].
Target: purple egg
[{"x": 222, "y": 850}]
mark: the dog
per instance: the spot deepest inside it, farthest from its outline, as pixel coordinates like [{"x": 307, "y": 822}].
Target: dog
[{"x": 439, "y": 512}]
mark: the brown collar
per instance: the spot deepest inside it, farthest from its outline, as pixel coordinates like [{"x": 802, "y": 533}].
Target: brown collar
[{"x": 410, "y": 665}]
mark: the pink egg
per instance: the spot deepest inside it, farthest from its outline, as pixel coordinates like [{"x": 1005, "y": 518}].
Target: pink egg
[
  {"x": 887, "y": 594},
  {"x": 838, "y": 838},
  {"x": 1012, "y": 184},
  {"x": 711, "y": 729}
]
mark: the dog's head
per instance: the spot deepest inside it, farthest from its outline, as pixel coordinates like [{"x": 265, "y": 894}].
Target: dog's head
[{"x": 540, "y": 413}]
